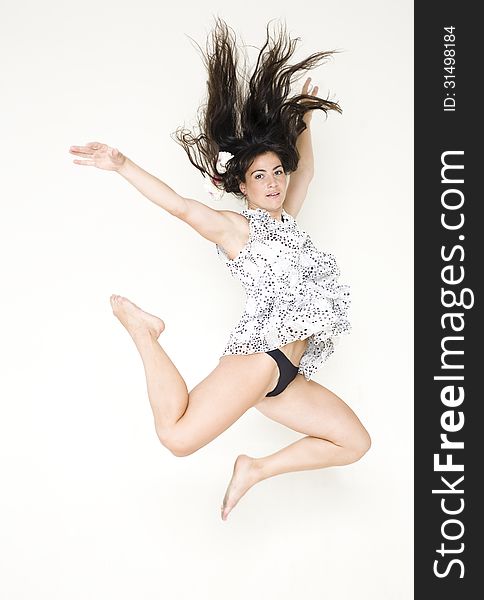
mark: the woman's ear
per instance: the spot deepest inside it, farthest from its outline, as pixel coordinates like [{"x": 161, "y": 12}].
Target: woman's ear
[{"x": 242, "y": 187}]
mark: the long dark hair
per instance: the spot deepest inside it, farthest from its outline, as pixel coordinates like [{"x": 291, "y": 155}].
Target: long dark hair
[{"x": 249, "y": 116}]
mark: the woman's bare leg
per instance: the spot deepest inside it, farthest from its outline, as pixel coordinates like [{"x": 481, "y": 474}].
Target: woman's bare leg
[
  {"x": 167, "y": 390},
  {"x": 335, "y": 437},
  {"x": 185, "y": 422}
]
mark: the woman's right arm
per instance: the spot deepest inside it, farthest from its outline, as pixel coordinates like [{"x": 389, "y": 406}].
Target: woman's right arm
[
  {"x": 151, "y": 187},
  {"x": 222, "y": 227}
]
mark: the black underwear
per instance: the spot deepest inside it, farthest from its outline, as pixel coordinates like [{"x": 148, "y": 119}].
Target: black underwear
[{"x": 287, "y": 371}]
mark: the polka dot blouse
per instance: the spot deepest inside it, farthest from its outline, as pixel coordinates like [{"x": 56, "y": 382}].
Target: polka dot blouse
[{"x": 292, "y": 292}]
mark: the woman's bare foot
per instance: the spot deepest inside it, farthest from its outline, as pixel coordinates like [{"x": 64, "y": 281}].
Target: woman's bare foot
[
  {"x": 246, "y": 474},
  {"x": 134, "y": 318}
]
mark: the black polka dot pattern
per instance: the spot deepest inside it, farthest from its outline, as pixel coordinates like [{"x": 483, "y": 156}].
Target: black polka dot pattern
[{"x": 292, "y": 292}]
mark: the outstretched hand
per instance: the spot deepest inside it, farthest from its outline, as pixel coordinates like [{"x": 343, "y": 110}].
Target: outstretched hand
[{"x": 98, "y": 155}]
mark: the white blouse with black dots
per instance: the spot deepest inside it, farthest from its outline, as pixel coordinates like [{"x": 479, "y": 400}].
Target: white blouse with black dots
[{"x": 292, "y": 292}]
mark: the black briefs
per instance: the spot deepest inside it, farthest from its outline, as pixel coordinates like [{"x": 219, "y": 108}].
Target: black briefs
[{"x": 287, "y": 371}]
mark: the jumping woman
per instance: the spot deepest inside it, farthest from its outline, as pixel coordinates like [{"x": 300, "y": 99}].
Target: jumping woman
[{"x": 253, "y": 141}]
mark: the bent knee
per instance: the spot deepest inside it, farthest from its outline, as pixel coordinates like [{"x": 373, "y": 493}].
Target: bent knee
[
  {"x": 360, "y": 446},
  {"x": 176, "y": 445},
  {"x": 182, "y": 450},
  {"x": 179, "y": 448}
]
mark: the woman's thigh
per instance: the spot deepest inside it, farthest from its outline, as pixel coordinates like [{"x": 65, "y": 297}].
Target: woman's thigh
[
  {"x": 310, "y": 408},
  {"x": 234, "y": 386}
]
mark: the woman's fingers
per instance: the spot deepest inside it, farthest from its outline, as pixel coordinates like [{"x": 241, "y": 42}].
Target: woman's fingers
[
  {"x": 89, "y": 163},
  {"x": 89, "y": 148},
  {"x": 81, "y": 150},
  {"x": 308, "y": 88},
  {"x": 99, "y": 155}
]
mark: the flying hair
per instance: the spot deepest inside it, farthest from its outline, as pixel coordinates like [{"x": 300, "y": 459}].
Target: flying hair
[{"x": 250, "y": 114}]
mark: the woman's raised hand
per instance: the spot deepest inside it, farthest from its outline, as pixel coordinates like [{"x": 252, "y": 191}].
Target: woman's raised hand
[
  {"x": 307, "y": 91},
  {"x": 313, "y": 91},
  {"x": 98, "y": 155}
]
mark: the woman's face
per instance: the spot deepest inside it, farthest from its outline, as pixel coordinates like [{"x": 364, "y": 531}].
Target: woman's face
[{"x": 265, "y": 183}]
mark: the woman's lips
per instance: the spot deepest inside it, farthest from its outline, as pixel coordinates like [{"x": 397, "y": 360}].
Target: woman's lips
[{"x": 274, "y": 194}]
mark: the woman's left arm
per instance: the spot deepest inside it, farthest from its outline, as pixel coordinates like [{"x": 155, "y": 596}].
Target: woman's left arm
[{"x": 301, "y": 178}]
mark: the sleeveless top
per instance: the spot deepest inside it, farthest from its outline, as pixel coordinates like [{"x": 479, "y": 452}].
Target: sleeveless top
[{"x": 292, "y": 292}]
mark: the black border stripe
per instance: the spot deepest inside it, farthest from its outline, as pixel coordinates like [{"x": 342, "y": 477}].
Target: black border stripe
[{"x": 438, "y": 131}]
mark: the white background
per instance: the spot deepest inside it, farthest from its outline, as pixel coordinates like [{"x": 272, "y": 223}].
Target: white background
[{"x": 92, "y": 506}]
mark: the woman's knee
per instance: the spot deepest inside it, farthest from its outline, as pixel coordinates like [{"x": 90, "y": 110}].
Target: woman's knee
[
  {"x": 360, "y": 445},
  {"x": 176, "y": 444}
]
